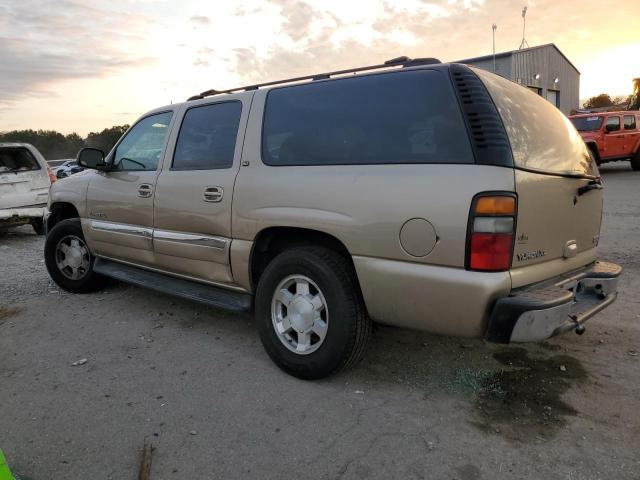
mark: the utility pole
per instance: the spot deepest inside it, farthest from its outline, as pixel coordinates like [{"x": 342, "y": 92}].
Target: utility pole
[
  {"x": 494, "y": 27},
  {"x": 524, "y": 24}
]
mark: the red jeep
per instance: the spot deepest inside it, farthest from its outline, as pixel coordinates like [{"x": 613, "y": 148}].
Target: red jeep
[{"x": 611, "y": 136}]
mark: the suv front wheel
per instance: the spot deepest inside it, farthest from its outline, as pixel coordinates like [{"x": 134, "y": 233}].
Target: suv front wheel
[
  {"x": 69, "y": 260},
  {"x": 310, "y": 314}
]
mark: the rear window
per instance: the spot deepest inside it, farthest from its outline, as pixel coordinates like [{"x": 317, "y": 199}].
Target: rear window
[
  {"x": 542, "y": 138},
  {"x": 389, "y": 118},
  {"x": 587, "y": 124},
  {"x": 17, "y": 160}
]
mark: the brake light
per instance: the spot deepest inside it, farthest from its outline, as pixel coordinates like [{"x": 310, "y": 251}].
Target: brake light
[
  {"x": 52, "y": 176},
  {"x": 491, "y": 231}
]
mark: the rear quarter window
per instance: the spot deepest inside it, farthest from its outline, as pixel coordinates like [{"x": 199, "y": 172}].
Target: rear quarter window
[
  {"x": 542, "y": 138},
  {"x": 17, "y": 159},
  {"x": 388, "y": 118}
]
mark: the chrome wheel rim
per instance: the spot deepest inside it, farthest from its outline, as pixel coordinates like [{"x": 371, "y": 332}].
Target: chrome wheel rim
[
  {"x": 72, "y": 257},
  {"x": 299, "y": 314}
]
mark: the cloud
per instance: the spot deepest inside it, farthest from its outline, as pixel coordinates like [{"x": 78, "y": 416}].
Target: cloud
[
  {"x": 200, "y": 20},
  {"x": 204, "y": 54},
  {"x": 35, "y": 50},
  {"x": 298, "y": 18},
  {"x": 324, "y": 36}
]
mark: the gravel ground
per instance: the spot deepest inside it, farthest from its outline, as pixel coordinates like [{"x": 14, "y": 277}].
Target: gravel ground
[{"x": 197, "y": 384}]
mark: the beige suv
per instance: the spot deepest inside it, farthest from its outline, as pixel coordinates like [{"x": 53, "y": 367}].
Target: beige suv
[{"x": 413, "y": 193}]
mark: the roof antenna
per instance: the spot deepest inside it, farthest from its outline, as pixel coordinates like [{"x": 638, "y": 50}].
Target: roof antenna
[
  {"x": 524, "y": 24},
  {"x": 494, "y": 27}
]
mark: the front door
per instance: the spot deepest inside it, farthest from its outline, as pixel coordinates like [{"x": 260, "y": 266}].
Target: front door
[
  {"x": 631, "y": 134},
  {"x": 613, "y": 138},
  {"x": 120, "y": 201},
  {"x": 192, "y": 206}
]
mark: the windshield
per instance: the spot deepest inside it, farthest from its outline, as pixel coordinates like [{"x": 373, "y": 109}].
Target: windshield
[
  {"x": 587, "y": 124},
  {"x": 17, "y": 160}
]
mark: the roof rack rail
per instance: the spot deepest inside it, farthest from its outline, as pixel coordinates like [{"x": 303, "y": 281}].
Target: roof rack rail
[{"x": 403, "y": 62}]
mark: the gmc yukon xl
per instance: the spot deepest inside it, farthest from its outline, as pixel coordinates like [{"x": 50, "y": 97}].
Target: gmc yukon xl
[{"x": 429, "y": 196}]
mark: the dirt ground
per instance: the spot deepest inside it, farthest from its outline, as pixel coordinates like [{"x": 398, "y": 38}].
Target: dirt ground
[{"x": 197, "y": 384}]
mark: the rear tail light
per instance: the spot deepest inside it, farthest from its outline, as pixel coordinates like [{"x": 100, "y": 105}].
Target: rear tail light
[
  {"x": 52, "y": 176},
  {"x": 491, "y": 230}
]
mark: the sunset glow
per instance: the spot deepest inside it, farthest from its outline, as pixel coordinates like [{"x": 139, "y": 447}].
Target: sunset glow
[{"x": 82, "y": 66}]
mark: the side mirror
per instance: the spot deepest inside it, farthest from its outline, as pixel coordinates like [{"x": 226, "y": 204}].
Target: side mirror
[{"x": 91, "y": 158}]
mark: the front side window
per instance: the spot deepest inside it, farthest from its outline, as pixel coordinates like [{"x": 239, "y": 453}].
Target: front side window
[
  {"x": 629, "y": 122},
  {"x": 142, "y": 146},
  {"x": 388, "y": 118},
  {"x": 613, "y": 124},
  {"x": 207, "y": 137}
]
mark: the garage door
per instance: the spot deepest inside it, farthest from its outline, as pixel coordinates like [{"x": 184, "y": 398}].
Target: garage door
[{"x": 552, "y": 96}]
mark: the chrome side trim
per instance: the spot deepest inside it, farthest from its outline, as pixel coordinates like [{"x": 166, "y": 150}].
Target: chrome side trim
[
  {"x": 121, "y": 228},
  {"x": 219, "y": 243},
  {"x": 178, "y": 275}
]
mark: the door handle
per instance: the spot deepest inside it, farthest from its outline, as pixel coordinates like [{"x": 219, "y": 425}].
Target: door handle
[
  {"x": 213, "y": 194},
  {"x": 145, "y": 190}
]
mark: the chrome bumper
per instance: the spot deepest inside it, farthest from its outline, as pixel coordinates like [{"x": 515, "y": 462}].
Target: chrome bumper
[{"x": 536, "y": 313}]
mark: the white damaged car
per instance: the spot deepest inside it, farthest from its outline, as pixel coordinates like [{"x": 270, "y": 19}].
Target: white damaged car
[{"x": 25, "y": 179}]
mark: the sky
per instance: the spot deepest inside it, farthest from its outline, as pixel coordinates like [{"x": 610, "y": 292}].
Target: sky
[{"x": 85, "y": 65}]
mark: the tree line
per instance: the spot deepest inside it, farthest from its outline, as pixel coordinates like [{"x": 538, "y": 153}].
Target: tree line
[
  {"x": 605, "y": 100},
  {"x": 54, "y": 145}
]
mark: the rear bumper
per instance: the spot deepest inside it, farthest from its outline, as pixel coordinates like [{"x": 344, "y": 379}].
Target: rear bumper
[
  {"x": 536, "y": 313},
  {"x": 19, "y": 216}
]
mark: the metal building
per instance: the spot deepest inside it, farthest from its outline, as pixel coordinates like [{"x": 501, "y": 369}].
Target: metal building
[{"x": 543, "y": 69}]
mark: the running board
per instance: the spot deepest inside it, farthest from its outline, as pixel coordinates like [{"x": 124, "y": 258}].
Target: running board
[{"x": 208, "y": 294}]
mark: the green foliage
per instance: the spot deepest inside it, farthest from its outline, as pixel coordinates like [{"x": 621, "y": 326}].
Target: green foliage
[
  {"x": 602, "y": 100},
  {"x": 54, "y": 145},
  {"x": 106, "y": 139}
]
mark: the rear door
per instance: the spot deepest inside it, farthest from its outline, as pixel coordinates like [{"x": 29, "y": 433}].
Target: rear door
[
  {"x": 24, "y": 180},
  {"x": 630, "y": 132},
  {"x": 192, "y": 206},
  {"x": 558, "y": 221},
  {"x": 613, "y": 137}
]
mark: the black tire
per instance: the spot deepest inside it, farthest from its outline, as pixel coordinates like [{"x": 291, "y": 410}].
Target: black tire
[
  {"x": 38, "y": 227},
  {"x": 90, "y": 281},
  {"x": 635, "y": 161},
  {"x": 348, "y": 328}
]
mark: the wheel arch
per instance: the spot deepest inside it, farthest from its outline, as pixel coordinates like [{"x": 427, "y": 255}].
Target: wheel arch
[
  {"x": 593, "y": 146},
  {"x": 61, "y": 211},
  {"x": 271, "y": 241}
]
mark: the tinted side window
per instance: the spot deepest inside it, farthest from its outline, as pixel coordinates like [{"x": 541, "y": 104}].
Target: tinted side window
[
  {"x": 389, "y": 118},
  {"x": 207, "y": 137},
  {"x": 629, "y": 122},
  {"x": 613, "y": 124},
  {"x": 142, "y": 145}
]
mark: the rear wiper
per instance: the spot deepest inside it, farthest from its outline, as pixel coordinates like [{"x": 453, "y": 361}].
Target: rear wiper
[{"x": 592, "y": 185}]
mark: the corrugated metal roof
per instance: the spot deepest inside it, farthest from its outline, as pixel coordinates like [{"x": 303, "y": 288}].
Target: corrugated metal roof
[{"x": 511, "y": 52}]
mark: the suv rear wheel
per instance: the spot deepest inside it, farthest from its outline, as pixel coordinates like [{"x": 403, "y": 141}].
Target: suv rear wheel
[
  {"x": 635, "y": 161},
  {"x": 310, "y": 314},
  {"x": 69, "y": 260}
]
